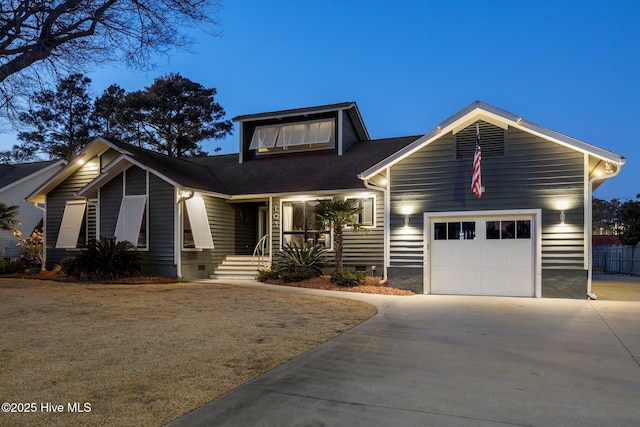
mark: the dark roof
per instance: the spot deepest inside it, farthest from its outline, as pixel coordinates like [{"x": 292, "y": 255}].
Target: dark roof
[
  {"x": 295, "y": 111},
  {"x": 274, "y": 174},
  {"x": 12, "y": 173},
  {"x": 182, "y": 171},
  {"x": 302, "y": 172}
]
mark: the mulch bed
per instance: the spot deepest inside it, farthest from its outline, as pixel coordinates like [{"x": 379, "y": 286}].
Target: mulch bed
[
  {"x": 372, "y": 286},
  {"x": 60, "y": 277}
]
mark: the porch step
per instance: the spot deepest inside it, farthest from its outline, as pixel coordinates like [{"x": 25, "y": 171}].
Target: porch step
[{"x": 237, "y": 267}]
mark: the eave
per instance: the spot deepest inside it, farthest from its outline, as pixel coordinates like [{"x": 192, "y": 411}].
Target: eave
[{"x": 481, "y": 111}]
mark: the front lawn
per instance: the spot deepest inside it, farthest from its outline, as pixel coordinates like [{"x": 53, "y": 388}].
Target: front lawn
[{"x": 146, "y": 354}]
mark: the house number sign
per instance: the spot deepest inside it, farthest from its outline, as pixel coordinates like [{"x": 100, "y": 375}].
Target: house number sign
[{"x": 276, "y": 217}]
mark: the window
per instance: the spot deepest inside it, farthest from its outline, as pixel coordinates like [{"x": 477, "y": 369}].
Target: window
[
  {"x": 455, "y": 230},
  {"x": 132, "y": 221},
  {"x": 196, "y": 232},
  {"x": 502, "y": 230},
  {"x": 299, "y": 225},
  {"x": 366, "y": 217},
  {"x": 73, "y": 219},
  {"x": 313, "y": 135}
]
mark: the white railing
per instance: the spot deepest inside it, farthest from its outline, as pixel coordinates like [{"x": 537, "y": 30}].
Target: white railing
[{"x": 259, "y": 251}]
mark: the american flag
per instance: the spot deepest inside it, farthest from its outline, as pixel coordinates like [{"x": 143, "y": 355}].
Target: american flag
[{"x": 476, "y": 180}]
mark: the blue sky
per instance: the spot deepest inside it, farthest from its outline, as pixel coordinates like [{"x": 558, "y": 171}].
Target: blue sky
[{"x": 571, "y": 66}]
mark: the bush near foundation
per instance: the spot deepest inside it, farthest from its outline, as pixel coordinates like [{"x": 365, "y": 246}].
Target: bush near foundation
[{"x": 349, "y": 278}]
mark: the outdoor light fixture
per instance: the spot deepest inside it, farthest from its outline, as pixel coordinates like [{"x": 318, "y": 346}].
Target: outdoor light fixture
[
  {"x": 406, "y": 211},
  {"x": 562, "y": 206},
  {"x": 608, "y": 169}
]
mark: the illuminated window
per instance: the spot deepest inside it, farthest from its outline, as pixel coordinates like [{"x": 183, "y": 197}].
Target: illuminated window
[
  {"x": 299, "y": 225},
  {"x": 313, "y": 135}
]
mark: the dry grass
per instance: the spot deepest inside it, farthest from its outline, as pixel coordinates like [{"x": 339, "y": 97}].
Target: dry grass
[{"x": 146, "y": 354}]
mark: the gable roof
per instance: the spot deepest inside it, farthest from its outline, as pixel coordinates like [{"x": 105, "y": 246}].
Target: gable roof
[
  {"x": 11, "y": 175},
  {"x": 225, "y": 176},
  {"x": 498, "y": 117},
  {"x": 298, "y": 173}
]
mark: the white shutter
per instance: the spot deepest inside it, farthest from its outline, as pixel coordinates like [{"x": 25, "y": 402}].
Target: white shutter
[
  {"x": 70, "y": 226},
  {"x": 199, "y": 223},
  {"x": 130, "y": 219}
]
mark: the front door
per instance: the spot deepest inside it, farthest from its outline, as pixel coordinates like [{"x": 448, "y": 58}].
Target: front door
[{"x": 263, "y": 229}]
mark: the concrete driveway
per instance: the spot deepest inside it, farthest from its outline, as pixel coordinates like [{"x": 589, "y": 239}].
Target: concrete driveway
[{"x": 452, "y": 361}]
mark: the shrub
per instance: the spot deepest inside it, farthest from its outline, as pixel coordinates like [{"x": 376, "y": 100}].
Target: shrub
[
  {"x": 69, "y": 266},
  {"x": 107, "y": 259},
  {"x": 10, "y": 266},
  {"x": 344, "y": 277},
  {"x": 299, "y": 261},
  {"x": 298, "y": 274},
  {"x": 266, "y": 274}
]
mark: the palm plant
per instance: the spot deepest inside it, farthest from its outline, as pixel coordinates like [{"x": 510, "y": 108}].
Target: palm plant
[
  {"x": 8, "y": 214},
  {"x": 338, "y": 213}
]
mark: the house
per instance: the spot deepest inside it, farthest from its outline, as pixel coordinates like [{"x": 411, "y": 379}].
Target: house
[
  {"x": 528, "y": 234},
  {"x": 16, "y": 182}
]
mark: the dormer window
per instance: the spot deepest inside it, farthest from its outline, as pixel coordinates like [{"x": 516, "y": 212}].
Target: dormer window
[{"x": 303, "y": 136}]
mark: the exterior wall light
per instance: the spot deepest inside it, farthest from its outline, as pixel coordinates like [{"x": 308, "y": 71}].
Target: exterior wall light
[
  {"x": 406, "y": 211},
  {"x": 562, "y": 206}
]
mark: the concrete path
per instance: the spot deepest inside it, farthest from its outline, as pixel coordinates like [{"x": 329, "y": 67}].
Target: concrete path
[{"x": 454, "y": 361}]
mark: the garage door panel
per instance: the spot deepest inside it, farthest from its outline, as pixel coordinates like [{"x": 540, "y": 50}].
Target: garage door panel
[{"x": 501, "y": 265}]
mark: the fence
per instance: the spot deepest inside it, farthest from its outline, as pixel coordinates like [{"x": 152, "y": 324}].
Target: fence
[{"x": 617, "y": 259}]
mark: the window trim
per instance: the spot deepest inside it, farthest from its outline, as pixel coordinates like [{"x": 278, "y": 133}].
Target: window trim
[
  {"x": 282, "y": 221},
  {"x": 282, "y": 139},
  {"x": 373, "y": 210}
]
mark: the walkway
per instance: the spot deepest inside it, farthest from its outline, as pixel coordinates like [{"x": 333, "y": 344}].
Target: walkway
[{"x": 451, "y": 361}]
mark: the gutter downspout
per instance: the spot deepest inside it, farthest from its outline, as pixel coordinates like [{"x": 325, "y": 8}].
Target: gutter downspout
[
  {"x": 385, "y": 251},
  {"x": 43, "y": 267},
  {"x": 177, "y": 228},
  {"x": 590, "y": 228}
]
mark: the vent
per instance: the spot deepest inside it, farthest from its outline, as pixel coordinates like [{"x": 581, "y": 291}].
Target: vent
[{"x": 491, "y": 141}]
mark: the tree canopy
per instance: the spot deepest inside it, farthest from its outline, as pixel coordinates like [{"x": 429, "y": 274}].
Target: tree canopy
[
  {"x": 59, "y": 123},
  {"x": 41, "y": 38},
  {"x": 173, "y": 116},
  {"x": 629, "y": 221}
]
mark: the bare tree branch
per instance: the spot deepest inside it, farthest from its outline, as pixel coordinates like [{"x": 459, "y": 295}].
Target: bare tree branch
[{"x": 41, "y": 37}]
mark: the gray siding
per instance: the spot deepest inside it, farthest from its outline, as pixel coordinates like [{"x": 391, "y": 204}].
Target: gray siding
[
  {"x": 198, "y": 264},
  {"x": 136, "y": 181},
  {"x": 159, "y": 259},
  {"x": 349, "y": 134},
  {"x": 56, "y": 201},
  {"x": 110, "y": 200},
  {"x": 366, "y": 248},
  {"x": 534, "y": 174},
  {"x": 107, "y": 157}
]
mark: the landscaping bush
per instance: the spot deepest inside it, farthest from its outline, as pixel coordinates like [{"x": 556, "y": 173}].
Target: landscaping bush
[
  {"x": 295, "y": 263},
  {"x": 106, "y": 259},
  {"x": 298, "y": 274},
  {"x": 266, "y": 275},
  {"x": 10, "y": 266},
  {"x": 69, "y": 266},
  {"x": 344, "y": 277}
]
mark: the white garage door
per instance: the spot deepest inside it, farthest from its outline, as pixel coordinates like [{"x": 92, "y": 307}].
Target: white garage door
[{"x": 491, "y": 255}]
